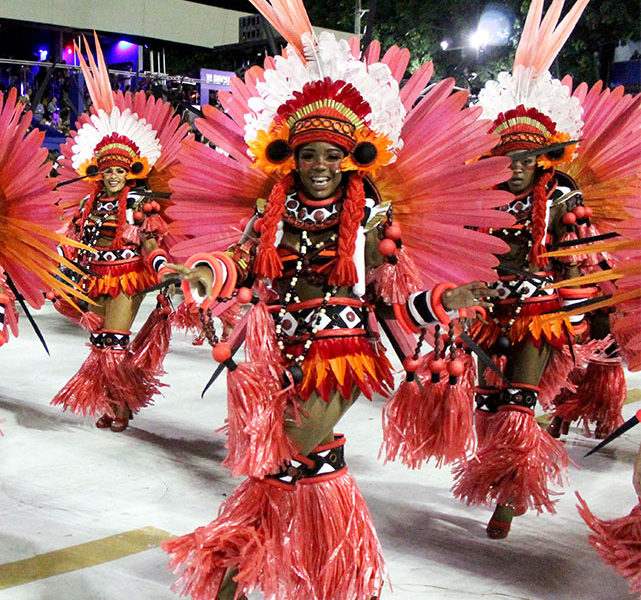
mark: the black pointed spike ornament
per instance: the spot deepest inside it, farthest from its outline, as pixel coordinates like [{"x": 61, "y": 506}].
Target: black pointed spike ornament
[{"x": 629, "y": 424}]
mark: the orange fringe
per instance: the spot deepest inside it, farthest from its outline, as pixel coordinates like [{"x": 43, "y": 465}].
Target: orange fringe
[
  {"x": 340, "y": 364},
  {"x": 112, "y": 285}
]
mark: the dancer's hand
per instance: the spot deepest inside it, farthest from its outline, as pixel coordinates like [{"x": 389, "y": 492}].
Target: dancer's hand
[
  {"x": 470, "y": 294},
  {"x": 200, "y": 278}
]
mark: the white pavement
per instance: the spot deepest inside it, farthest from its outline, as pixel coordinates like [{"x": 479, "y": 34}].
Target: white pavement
[{"x": 64, "y": 482}]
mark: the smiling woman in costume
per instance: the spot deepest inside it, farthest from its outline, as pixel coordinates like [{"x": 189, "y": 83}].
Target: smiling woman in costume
[
  {"x": 322, "y": 254},
  {"x": 120, "y": 150}
]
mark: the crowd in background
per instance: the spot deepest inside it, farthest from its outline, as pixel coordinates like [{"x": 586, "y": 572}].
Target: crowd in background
[{"x": 48, "y": 93}]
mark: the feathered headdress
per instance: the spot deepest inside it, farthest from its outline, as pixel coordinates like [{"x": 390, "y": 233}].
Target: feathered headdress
[
  {"x": 115, "y": 139},
  {"x": 322, "y": 91},
  {"x": 529, "y": 108},
  {"x": 111, "y": 136}
]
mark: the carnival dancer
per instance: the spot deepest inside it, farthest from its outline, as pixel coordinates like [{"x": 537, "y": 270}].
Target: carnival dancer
[
  {"x": 323, "y": 253},
  {"x": 538, "y": 121},
  {"x": 607, "y": 167},
  {"x": 120, "y": 156},
  {"x": 610, "y": 165},
  {"x": 28, "y": 219}
]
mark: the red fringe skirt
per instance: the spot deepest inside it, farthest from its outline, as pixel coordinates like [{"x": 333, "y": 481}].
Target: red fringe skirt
[{"x": 311, "y": 541}]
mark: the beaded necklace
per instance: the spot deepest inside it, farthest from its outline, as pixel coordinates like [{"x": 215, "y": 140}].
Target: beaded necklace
[{"x": 291, "y": 297}]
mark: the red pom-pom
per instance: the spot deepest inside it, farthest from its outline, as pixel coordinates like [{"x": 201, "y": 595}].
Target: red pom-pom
[
  {"x": 221, "y": 352},
  {"x": 569, "y": 218},
  {"x": 258, "y": 224},
  {"x": 456, "y": 367},
  {"x": 579, "y": 211},
  {"x": 393, "y": 231},
  {"x": 436, "y": 365},
  {"x": 138, "y": 216},
  {"x": 411, "y": 364},
  {"x": 155, "y": 206},
  {"x": 387, "y": 247},
  {"x": 147, "y": 207},
  {"x": 50, "y": 295},
  {"x": 588, "y": 212},
  {"x": 244, "y": 295}
]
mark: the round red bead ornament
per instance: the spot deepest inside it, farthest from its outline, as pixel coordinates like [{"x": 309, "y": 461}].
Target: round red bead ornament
[
  {"x": 456, "y": 367},
  {"x": 244, "y": 295},
  {"x": 393, "y": 231},
  {"x": 387, "y": 247},
  {"x": 436, "y": 365},
  {"x": 411, "y": 364},
  {"x": 221, "y": 352}
]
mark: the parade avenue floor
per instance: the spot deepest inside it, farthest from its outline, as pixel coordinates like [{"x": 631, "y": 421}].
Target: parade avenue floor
[{"x": 83, "y": 511}]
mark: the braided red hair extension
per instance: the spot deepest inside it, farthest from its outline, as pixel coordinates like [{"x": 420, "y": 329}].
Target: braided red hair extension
[
  {"x": 540, "y": 195},
  {"x": 88, "y": 207},
  {"x": 344, "y": 273},
  {"x": 268, "y": 263}
]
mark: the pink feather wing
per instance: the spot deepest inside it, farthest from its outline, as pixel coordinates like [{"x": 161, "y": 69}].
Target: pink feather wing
[
  {"x": 28, "y": 215},
  {"x": 434, "y": 177}
]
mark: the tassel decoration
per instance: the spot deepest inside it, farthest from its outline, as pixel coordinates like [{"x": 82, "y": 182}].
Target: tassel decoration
[{"x": 151, "y": 344}]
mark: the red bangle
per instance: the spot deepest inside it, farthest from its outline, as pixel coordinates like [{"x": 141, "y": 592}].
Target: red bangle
[
  {"x": 404, "y": 319},
  {"x": 581, "y": 292},
  {"x": 435, "y": 301},
  {"x": 216, "y": 267},
  {"x": 230, "y": 275},
  {"x": 161, "y": 272}
]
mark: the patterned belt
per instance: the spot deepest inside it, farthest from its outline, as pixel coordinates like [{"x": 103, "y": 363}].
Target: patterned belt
[
  {"x": 298, "y": 323},
  {"x": 523, "y": 288},
  {"x": 115, "y": 255}
]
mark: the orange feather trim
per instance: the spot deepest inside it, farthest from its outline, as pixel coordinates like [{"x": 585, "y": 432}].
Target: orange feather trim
[
  {"x": 113, "y": 284},
  {"x": 339, "y": 364}
]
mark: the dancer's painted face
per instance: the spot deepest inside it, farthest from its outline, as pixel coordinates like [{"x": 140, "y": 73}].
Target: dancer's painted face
[
  {"x": 319, "y": 168},
  {"x": 114, "y": 179},
  {"x": 522, "y": 174}
]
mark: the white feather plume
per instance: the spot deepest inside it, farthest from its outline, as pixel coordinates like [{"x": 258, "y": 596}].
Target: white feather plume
[
  {"x": 544, "y": 93},
  {"x": 103, "y": 125}
]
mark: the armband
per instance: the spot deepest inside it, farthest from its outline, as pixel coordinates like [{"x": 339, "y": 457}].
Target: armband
[{"x": 157, "y": 258}]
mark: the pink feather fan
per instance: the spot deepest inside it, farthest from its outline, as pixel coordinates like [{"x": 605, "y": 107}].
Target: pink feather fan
[{"x": 28, "y": 215}]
